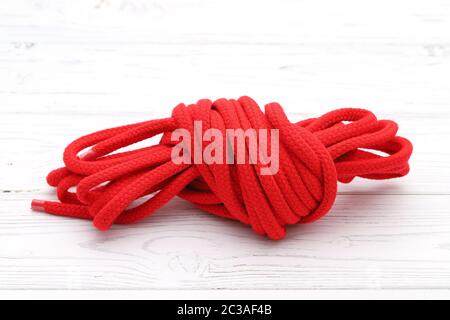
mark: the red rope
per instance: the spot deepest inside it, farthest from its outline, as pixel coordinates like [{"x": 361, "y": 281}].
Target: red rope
[{"x": 314, "y": 155}]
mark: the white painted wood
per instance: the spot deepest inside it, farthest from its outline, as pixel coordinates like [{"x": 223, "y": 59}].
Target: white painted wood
[{"x": 71, "y": 67}]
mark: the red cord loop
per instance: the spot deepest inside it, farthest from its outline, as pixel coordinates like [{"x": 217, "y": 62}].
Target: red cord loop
[{"x": 313, "y": 155}]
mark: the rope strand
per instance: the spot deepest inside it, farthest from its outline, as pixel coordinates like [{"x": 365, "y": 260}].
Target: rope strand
[{"x": 313, "y": 155}]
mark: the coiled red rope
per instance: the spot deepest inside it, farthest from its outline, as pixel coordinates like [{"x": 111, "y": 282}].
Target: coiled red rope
[{"x": 314, "y": 154}]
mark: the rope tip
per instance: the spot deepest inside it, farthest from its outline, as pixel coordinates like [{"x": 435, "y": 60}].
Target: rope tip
[{"x": 38, "y": 205}]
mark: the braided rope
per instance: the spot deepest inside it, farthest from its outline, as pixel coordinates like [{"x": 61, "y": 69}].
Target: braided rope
[{"x": 313, "y": 155}]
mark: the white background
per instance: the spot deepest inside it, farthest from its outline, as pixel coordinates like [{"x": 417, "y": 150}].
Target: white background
[{"x": 68, "y": 68}]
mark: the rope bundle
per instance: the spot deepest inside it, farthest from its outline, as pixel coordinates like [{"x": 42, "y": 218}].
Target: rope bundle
[{"x": 313, "y": 155}]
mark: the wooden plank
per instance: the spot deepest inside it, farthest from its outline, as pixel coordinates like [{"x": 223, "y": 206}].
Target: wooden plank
[
  {"x": 366, "y": 242},
  {"x": 69, "y": 68}
]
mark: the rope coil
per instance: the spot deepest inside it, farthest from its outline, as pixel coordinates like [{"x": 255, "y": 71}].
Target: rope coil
[{"x": 314, "y": 154}]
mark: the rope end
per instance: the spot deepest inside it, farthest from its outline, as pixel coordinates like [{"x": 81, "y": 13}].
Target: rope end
[{"x": 38, "y": 205}]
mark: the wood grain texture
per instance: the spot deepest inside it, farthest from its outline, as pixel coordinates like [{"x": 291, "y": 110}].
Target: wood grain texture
[{"x": 71, "y": 67}]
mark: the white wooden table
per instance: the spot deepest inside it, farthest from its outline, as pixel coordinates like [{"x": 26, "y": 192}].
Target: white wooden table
[{"x": 68, "y": 68}]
